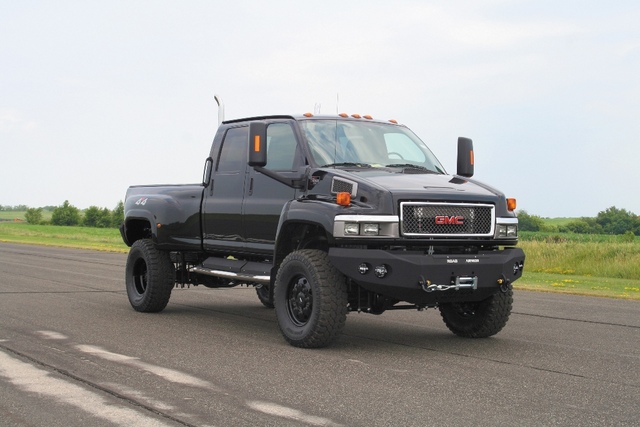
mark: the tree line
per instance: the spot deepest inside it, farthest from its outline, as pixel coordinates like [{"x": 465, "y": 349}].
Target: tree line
[
  {"x": 610, "y": 221},
  {"x": 67, "y": 214}
]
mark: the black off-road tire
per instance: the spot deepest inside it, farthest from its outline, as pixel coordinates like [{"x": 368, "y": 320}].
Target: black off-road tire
[
  {"x": 263, "y": 296},
  {"x": 150, "y": 277},
  {"x": 310, "y": 298},
  {"x": 478, "y": 319}
]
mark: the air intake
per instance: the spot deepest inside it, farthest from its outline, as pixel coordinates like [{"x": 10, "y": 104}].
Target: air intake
[{"x": 339, "y": 185}]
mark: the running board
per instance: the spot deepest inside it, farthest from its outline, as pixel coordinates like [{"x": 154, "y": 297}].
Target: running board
[{"x": 233, "y": 269}]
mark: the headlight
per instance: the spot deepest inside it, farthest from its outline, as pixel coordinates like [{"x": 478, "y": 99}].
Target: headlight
[
  {"x": 370, "y": 229},
  {"x": 351, "y": 229},
  {"x": 507, "y": 228},
  {"x": 366, "y": 229},
  {"x": 380, "y": 226}
]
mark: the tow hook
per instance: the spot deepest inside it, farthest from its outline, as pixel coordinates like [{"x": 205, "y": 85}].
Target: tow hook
[
  {"x": 505, "y": 285},
  {"x": 461, "y": 282}
]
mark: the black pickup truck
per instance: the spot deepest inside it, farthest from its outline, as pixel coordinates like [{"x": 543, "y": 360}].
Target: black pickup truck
[{"x": 324, "y": 215}]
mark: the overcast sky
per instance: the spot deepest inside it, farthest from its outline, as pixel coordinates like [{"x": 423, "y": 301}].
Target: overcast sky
[{"x": 97, "y": 96}]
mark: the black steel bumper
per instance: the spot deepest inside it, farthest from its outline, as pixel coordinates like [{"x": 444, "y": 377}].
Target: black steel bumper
[{"x": 427, "y": 279}]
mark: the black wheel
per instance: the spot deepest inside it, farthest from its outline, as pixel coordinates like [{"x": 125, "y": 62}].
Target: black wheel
[
  {"x": 263, "y": 295},
  {"x": 149, "y": 277},
  {"x": 478, "y": 319},
  {"x": 310, "y": 298}
]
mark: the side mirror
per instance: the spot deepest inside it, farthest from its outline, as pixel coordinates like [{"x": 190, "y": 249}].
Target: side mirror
[
  {"x": 465, "y": 157},
  {"x": 257, "y": 144}
]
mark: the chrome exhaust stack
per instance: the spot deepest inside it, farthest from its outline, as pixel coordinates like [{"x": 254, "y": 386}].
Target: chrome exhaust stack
[{"x": 220, "y": 109}]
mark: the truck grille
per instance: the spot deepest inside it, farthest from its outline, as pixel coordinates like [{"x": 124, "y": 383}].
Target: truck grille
[{"x": 446, "y": 219}]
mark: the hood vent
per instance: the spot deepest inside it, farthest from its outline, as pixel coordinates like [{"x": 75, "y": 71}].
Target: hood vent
[{"x": 339, "y": 185}]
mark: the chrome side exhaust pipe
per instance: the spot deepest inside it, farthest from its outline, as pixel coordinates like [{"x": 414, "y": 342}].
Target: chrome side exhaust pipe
[{"x": 220, "y": 109}]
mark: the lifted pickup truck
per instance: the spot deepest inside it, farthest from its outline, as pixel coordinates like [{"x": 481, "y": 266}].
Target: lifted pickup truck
[{"x": 324, "y": 215}]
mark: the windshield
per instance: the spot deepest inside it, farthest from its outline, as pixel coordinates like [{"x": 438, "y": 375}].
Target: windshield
[{"x": 367, "y": 144}]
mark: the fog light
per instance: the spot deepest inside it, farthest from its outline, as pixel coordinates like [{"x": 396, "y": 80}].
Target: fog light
[
  {"x": 380, "y": 271},
  {"x": 352, "y": 228},
  {"x": 370, "y": 229},
  {"x": 363, "y": 268}
]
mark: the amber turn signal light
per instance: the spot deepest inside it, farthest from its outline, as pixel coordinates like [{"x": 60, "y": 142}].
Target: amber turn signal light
[
  {"x": 343, "y": 198},
  {"x": 511, "y": 204}
]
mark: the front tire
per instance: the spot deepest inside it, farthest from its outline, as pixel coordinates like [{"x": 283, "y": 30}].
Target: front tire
[
  {"x": 310, "y": 298},
  {"x": 149, "y": 277},
  {"x": 478, "y": 319}
]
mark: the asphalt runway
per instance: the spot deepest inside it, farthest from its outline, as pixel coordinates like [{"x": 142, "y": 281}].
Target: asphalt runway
[{"x": 74, "y": 353}]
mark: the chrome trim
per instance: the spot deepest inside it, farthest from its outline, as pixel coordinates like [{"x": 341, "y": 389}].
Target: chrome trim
[
  {"x": 389, "y": 225},
  {"x": 231, "y": 275},
  {"x": 490, "y": 233}
]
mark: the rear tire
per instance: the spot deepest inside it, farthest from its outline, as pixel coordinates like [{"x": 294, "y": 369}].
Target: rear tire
[
  {"x": 150, "y": 276},
  {"x": 310, "y": 298},
  {"x": 478, "y": 319},
  {"x": 263, "y": 295}
]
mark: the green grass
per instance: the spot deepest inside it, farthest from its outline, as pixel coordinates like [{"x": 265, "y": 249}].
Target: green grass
[
  {"x": 102, "y": 239},
  {"x": 579, "y": 285},
  {"x": 604, "y": 266}
]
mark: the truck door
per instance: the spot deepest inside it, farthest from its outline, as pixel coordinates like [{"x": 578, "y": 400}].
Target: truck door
[
  {"x": 264, "y": 196},
  {"x": 222, "y": 204}
]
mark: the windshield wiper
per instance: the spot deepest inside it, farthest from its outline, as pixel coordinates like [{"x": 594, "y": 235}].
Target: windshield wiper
[
  {"x": 348, "y": 164},
  {"x": 409, "y": 165}
]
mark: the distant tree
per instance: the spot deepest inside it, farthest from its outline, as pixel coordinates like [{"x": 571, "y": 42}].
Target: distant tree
[
  {"x": 618, "y": 221},
  {"x": 527, "y": 222},
  {"x": 584, "y": 225},
  {"x": 105, "y": 218},
  {"x": 117, "y": 215},
  {"x": 14, "y": 208},
  {"x": 66, "y": 214},
  {"x": 33, "y": 215},
  {"x": 97, "y": 217}
]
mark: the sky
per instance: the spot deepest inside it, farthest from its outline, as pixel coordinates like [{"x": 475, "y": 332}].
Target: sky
[{"x": 97, "y": 96}]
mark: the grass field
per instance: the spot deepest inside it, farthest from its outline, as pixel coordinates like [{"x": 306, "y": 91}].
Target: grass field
[
  {"x": 19, "y": 215},
  {"x": 102, "y": 239},
  {"x": 605, "y": 266}
]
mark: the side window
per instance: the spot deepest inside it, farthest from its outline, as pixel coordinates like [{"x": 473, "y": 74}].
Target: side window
[
  {"x": 281, "y": 147},
  {"x": 233, "y": 154}
]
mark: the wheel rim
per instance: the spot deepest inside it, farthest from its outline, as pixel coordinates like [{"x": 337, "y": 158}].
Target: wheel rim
[
  {"x": 140, "y": 276},
  {"x": 300, "y": 301}
]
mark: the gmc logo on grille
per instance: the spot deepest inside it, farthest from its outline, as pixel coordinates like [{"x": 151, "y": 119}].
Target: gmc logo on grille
[{"x": 446, "y": 220}]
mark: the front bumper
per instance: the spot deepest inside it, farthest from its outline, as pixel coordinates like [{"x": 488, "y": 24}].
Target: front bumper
[{"x": 405, "y": 275}]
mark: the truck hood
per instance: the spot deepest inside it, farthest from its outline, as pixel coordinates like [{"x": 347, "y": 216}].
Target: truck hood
[{"x": 427, "y": 185}]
